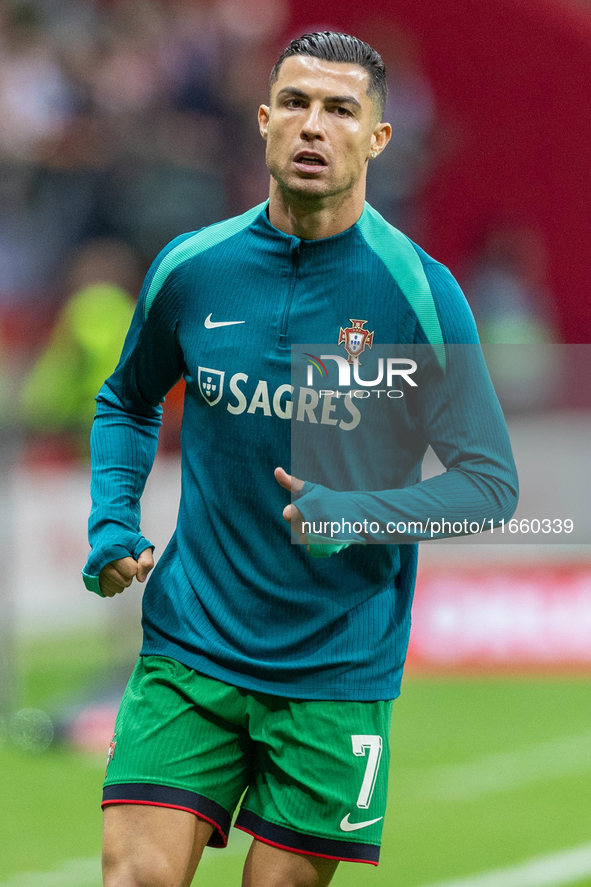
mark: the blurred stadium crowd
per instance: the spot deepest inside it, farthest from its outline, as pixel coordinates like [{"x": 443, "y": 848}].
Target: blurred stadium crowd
[
  {"x": 125, "y": 123},
  {"x": 119, "y": 132}
]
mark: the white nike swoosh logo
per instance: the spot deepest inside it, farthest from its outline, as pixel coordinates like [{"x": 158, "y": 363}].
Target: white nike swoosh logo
[
  {"x": 347, "y": 826},
  {"x": 211, "y": 324}
]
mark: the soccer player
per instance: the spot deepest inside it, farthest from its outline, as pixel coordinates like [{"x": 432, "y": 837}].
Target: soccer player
[{"x": 266, "y": 670}]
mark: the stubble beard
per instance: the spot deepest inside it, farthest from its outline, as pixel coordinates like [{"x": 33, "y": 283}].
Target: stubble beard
[{"x": 310, "y": 193}]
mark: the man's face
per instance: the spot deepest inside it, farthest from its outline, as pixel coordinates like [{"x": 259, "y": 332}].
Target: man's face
[{"x": 320, "y": 127}]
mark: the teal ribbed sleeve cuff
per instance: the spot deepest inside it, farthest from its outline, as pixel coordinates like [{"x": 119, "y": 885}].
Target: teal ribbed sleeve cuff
[{"x": 92, "y": 583}]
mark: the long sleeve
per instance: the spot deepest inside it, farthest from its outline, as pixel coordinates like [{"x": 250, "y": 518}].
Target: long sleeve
[
  {"x": 458, "y": 414},
  {"x": 231, "y": 597},
  {"x": 125, "y": 431}
]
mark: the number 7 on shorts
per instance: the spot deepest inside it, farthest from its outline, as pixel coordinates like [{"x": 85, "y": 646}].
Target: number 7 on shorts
[{"x": 362, "y": 744}]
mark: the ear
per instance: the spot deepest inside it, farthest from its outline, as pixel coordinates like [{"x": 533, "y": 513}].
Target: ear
[
  {"x": 264, "y": 120},
  {"x": 380, "y": 137}
]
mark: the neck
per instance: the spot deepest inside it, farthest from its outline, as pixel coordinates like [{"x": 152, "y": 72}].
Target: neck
[{"x": 313, "y": 218}]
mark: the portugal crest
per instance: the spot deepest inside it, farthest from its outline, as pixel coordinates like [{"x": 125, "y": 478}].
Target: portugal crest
[
  {"x": 355, "y": 339},
  {"x": 111, "y": 752},
  {"x": 211, "y": 384}
]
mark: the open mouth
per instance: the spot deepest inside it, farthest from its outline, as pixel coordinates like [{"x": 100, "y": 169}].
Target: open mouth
[{"x": 309, "y": 162}]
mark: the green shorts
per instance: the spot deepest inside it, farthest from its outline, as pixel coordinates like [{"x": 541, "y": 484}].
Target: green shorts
[{"x": 315, "y": 773}]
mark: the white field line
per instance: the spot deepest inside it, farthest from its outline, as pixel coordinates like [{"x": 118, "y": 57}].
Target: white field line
[
  {"x": 554, "y": 870},
  {"x": 72, "y": 873},
  {"x": 87, "y": 872},
  {"x": 565, "y": 867},
  {"x": 505, "y": 771}
]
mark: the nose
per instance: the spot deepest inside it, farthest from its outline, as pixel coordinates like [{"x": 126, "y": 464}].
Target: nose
[{"x": 312, "y": 125}]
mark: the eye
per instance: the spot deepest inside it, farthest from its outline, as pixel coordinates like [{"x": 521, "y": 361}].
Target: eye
[
  {"x": 341, "y": 111},
  {"x": 294, "y": 103}
]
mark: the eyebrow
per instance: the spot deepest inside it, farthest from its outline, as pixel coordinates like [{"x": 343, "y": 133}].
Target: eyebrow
[{"x": 330, "y": 99}]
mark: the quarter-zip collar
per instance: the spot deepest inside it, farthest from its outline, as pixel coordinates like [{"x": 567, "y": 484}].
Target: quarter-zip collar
[{"x": 262, "y": 224}]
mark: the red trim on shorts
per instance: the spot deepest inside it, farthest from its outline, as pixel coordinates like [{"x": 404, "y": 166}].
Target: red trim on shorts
[
  {"x": 303, "y": 852},
  {"x": 171, "y": 807}
]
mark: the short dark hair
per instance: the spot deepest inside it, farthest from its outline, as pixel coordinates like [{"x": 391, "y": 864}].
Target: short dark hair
[{"x": 333, "y": 46}]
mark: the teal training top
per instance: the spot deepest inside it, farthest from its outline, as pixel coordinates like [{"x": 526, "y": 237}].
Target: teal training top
[{"x": 231, "y": 596}]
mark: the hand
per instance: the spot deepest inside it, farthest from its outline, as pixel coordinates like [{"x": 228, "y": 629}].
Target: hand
[
  {"x": 292, "y": 514},
  {"x": 119, "y": 574}
]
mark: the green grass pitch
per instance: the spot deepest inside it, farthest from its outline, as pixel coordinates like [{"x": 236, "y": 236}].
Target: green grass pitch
[{"x": 484, "y": 774}]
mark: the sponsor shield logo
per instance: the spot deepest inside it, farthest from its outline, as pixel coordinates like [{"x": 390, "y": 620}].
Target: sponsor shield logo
[
  {"x": 211, "y": 384},
  {"x": 355, "y": 339}
]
